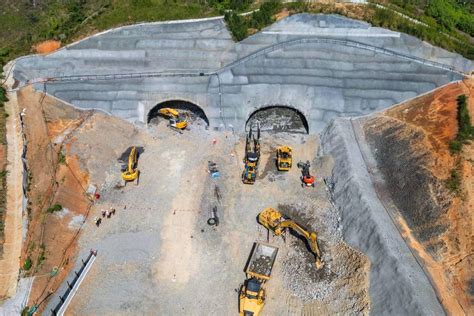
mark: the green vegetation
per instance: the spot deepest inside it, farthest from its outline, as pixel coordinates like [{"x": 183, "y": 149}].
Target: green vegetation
[
  {"x": 242, "y": 26},
  {"x": 27, "y": 264},
  {"x": 55, "y": 208},
  {"x": 61, "y": 158},
  {"x": 25, "y": 23},
  {"x": 448, "y": 23},
  {"x": 454, "y": 182},
  {"x": 41, "y": 256},
  {"x": 3, "y": 159},
  {"x": 465, "y": 128}
]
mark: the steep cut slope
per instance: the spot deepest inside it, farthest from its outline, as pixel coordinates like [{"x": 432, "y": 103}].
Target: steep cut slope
[{"x": 410, "y": 143}]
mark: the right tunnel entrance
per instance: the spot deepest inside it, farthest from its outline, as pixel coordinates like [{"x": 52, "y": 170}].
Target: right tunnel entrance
[{"x": 278, "y": 119}]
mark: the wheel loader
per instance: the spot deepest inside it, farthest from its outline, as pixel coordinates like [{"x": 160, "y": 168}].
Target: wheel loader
[
  {"x": 258, "y": 271},
  {"x": 130, "y": 172},
  {"x": 177, "y": 120},
  {"x": 278, "y": 223},
  {"x": 284, "y": 158}
]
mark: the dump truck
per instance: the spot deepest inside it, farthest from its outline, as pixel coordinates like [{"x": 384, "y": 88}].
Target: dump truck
[
  {"x": 284, "y": 158},
  {"x": 258, "y": 271}
]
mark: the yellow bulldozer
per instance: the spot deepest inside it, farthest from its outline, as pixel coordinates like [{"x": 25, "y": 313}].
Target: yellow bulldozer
[
  {"x": 284, "y": 158},
  {"x": 177, "y": 120},
  {"x": 130, "y": 172},
  {"x": 276, "y": 222}
]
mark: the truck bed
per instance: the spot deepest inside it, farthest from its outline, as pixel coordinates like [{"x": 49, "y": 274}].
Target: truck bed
[{"x": 261, "y": 261}]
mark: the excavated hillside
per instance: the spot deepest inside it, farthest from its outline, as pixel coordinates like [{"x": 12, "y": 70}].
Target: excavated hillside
[{"x": 410, "y": 143}]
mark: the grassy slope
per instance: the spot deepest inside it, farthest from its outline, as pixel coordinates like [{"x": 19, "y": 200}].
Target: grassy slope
[{"x": 22, "y": 25}]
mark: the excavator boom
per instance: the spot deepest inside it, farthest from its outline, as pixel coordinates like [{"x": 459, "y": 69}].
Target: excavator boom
[{"x": 276, "y": 222}]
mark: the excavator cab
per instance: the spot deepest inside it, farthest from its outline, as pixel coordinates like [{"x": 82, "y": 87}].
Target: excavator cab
[
  {"x": 249, "y": 175},
  {"x": 252, "y": 298},
  {"x": 284, "y": 158},
  {"x": 177, "y": 120}
]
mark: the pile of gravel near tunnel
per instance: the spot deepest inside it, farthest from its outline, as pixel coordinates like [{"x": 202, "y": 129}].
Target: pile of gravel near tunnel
[{"x": 398, "y": 284}]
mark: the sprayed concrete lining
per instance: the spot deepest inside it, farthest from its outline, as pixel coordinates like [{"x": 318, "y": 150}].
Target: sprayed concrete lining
[
  {"x": 398, "y": 283},
  {"x": 324, "y": 66}
]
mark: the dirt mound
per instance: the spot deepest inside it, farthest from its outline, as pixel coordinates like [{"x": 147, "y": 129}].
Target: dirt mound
[
  {"x": 341, "y": 284},
  {"x": 411, "y": 145},
  {"x": 47, "y": 47}
]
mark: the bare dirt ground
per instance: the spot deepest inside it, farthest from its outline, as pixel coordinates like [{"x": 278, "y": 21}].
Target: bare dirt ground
[
  {"x": 157, "y": 255},
  {"x": 12, "y": 220},
  {"x": 436, "y": 222},
  {"x": 47, "y": 47},
  {"x": 54, "y": 178}
]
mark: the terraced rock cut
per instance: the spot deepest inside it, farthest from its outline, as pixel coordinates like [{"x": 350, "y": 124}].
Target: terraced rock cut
[{"x": 323, "y": 66}]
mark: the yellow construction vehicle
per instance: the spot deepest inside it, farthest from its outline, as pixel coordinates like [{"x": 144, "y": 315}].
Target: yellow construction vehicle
[
  {"x": 252, "y": 155},
  {"x": 284, "y": 158},
  {"x": 176, "y": 119},
  {"x": 258, "y": 271},
  {"x": 130, "y": 171},
  {"x": 276, "y": 222}
]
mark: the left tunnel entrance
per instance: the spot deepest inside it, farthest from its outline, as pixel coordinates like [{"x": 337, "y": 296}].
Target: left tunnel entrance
[{"x": 195, "y": 112}]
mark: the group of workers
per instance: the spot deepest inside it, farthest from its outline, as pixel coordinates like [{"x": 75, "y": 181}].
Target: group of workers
[{"x": 105, "y": 213}]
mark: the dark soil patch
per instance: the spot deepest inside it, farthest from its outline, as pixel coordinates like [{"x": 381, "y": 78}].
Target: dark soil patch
[{"x": 420, "y": 197}]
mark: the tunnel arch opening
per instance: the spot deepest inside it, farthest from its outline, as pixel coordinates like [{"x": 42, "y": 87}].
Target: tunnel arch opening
[
  {"x": 279, "y": 118},
  {"x": 195, "y": 111}
]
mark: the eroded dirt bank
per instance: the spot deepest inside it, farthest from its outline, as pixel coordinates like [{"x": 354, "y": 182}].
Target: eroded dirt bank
[{"x": 411, "y": 146}]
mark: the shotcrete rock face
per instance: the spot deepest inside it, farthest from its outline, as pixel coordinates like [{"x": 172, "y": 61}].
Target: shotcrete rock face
[
  {"x": 279, "y": 119},
  {"x": 321, "y": 66}
]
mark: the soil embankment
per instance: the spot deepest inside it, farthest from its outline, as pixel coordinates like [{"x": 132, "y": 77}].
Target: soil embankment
[
  {"x": 12, "y": 198},
  {"x": 410, "y": 143},
  {"x": 57, "y": 203}
]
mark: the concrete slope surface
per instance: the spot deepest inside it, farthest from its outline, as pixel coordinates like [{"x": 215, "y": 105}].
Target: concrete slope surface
[
  {"x": 323, "y": 66},
  {"x": 398, "y": 283}
]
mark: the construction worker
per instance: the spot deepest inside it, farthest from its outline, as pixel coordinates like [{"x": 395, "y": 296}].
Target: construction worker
[{"x": 97, "y": 221}]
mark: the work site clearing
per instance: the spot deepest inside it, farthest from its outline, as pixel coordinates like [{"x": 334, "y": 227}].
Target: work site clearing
[
  {"x": 319, "y": 166},
  {"x": 158, "y": 255}
]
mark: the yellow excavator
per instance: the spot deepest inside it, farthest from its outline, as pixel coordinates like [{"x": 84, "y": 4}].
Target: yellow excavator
[
  {"x": 284, "y": 158},
  {"x": 176, "y": 119},
  {"x": 276, "y": 222},
  {"x": 130, "y": 172}
]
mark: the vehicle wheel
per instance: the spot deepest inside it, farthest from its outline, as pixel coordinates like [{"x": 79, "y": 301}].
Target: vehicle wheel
[{"x": 211, "y": 221}]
